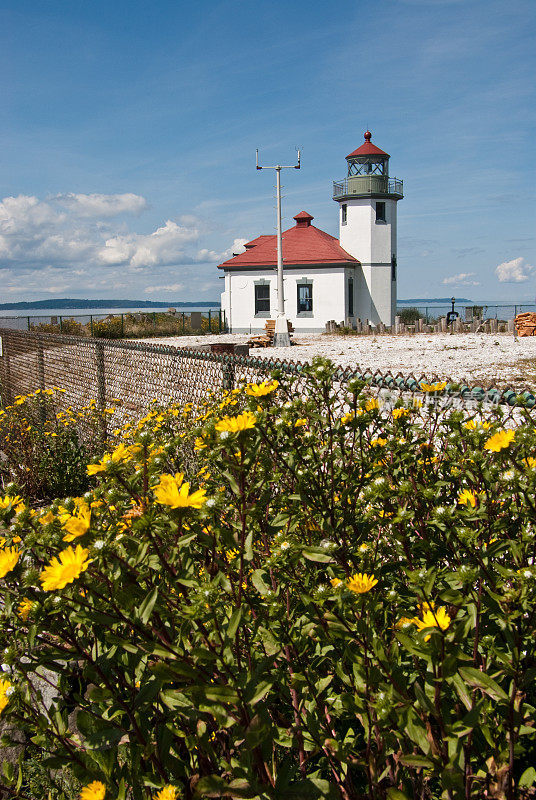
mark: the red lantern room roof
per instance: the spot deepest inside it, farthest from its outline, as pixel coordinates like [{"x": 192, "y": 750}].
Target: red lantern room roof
[{"x": 368, "y": 149}]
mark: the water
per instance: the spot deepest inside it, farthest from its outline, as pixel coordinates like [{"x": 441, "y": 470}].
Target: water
[
  {"x": 86, "y": 312},
  {"x": 491, "y": 309},
  {"x": 18, "y": 319}
]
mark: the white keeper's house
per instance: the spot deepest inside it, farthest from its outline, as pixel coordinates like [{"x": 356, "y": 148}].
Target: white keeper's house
[{"x": 325, "y": 278}]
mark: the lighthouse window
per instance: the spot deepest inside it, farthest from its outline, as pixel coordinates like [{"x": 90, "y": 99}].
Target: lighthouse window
[
  {"x": 305, "y": 298},
  {"x": 344, "y": 218},
  {"x": 380, "y": 212},
  {"x": 262, "y": 299}
]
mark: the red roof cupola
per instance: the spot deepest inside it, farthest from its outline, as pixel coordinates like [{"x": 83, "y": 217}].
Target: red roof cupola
[
  {"x": 303, "y": 244},
  {"x": 303, "y": 219}
]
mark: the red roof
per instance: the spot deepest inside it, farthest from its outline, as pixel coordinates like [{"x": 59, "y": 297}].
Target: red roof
[
  {"x": 302, "y": 244},
  {"x": 368, "y": 149}
]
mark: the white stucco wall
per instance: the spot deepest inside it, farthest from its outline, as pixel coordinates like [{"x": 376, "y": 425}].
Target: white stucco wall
[
  {"x": 374, "y": 244},
  {"x": 329, "y": 298}
]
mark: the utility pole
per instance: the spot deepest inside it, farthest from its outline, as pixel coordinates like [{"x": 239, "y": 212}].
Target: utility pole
[{"x": 281, "y": 337}]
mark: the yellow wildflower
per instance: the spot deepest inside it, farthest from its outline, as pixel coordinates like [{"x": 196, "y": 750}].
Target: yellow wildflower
[
  {"x": 242, "y": 422},
  {"x": 467, "y": 498},
  {"x": 530, "y": 462},
  {"x": 93, "y": 791},
  {"x": 173, "y": 492},
  {"x": 66, "y": 569},
  {"x": 13, "y": 502},
  {"x": 433, "y": 387},
  {"x": 8, "y": 560},
  {"x": 336, "y": 583},
  {"x": 6, "y": 689},
  {"x": 24, "y": 608},
  {"x": 432, "y": 619},
  {"x": 300, "y": 422},
  {"x": 378, "y": 442},
  {"x": 347, "y": 418},
  {"x": 499, "y": 441},
  {"x": 372, "y": 405},
  {"x": 76, "y": 524},
  {"x": 199, "y": 444},
  {"x": 360, "y": 583},
  {"x": 400, "y": 412},
  {"x": 261, "y": 389},
  {"x": 47, "y": 518},
  {"x": 403, "y": 622},
  {"x": 230, "y": 555},
  {"x": 169, "y": 792}
]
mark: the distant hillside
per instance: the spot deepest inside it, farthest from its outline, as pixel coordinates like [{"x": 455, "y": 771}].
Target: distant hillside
[
  {"x": 424, "y": 300},
  {"x": 67, "y": 302}
]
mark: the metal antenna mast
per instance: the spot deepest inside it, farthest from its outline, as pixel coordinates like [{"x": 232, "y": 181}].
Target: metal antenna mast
[{"x": 281, "y": 337}]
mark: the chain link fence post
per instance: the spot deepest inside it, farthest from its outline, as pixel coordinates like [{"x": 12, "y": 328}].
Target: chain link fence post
[
  {"x": 101, "y": 387},
  {"x": 228, "y": 371}
]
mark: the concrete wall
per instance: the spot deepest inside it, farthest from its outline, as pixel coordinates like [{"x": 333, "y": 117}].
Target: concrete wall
[{"x": 329, "y": 298}]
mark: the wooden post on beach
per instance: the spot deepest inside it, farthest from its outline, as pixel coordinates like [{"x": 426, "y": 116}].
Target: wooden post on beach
[
  {"x": 493, "y": 325},
  {"x": 397, "y": 324}
]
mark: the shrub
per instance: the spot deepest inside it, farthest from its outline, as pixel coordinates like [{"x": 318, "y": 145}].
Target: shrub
[
  {"x": 68, "y": 327},
  {"x": 409, "y": 315},
  {"x": 45, "y": 449},
  {"x": 285, "y": 595},
  {"x": 111, "y": 328}
]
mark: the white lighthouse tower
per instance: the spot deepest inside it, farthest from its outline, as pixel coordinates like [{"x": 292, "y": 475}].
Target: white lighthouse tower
[{"x": 367, "y": 200}]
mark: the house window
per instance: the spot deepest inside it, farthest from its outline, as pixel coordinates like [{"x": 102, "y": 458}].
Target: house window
[
  {"x": 393, "y": 268},
  {"x": 350, "y": 297},
  {"x": 344, "y": 211},
  {"x": 305, "y": 298},
  {"x": 380, "y": 211},
  {"x": 262, "y": 298}
]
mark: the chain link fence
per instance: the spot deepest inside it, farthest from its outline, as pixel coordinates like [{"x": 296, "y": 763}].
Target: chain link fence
[{"x": 135, "y": 374}]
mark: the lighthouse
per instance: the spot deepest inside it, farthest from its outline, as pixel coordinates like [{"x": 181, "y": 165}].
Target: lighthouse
[
  {"x": 367, "y": 199},
  {"x": 324, "y": 278}
]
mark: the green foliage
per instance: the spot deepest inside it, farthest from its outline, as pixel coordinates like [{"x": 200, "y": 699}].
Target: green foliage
[
  {"x": 45, "y": 450},
  {"x": 409, "y": 315},
  {"x": 221, "y": 645},
  {"x": 111, "y": 328}
]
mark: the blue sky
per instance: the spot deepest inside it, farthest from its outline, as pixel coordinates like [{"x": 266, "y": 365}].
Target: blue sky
[{"x": 129, "y": 130}]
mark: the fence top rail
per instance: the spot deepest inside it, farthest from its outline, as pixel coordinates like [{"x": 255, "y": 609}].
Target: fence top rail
[{"x": 397, "y": 382}]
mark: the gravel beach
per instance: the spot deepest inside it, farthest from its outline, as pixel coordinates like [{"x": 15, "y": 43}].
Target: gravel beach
[{"x": 482, "y": 359}]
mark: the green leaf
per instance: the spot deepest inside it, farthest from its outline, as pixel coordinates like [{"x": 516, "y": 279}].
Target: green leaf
[
  {"x": 482, "y": 681},
  {"x": 528, "y": 778},
  {"x": 248, "y": 547},
  {"x": 146, "y": 608},
  {"x": 416, "y": 761},
  {"x": 396, "y": 794},
  {"x": 317, "y": 554},
  {"x": 234, "y": 622},
  {"x": 257, "y": 579},
  {"x": 261, "y": 691}
]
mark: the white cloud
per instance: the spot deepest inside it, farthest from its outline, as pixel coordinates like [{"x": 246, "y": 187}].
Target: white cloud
[
  {"x": 166, "y": 245},
  {"x": 71, "y": 244},
  {"x": 461, "y": 279},
  {"x": 102, "y": 205},
  {"x": 173, "y": 287},
  {"x": 514, "y": 271}
]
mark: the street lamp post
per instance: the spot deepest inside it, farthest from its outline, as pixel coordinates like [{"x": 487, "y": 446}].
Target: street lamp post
[{"x": 281, "y": 337}]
